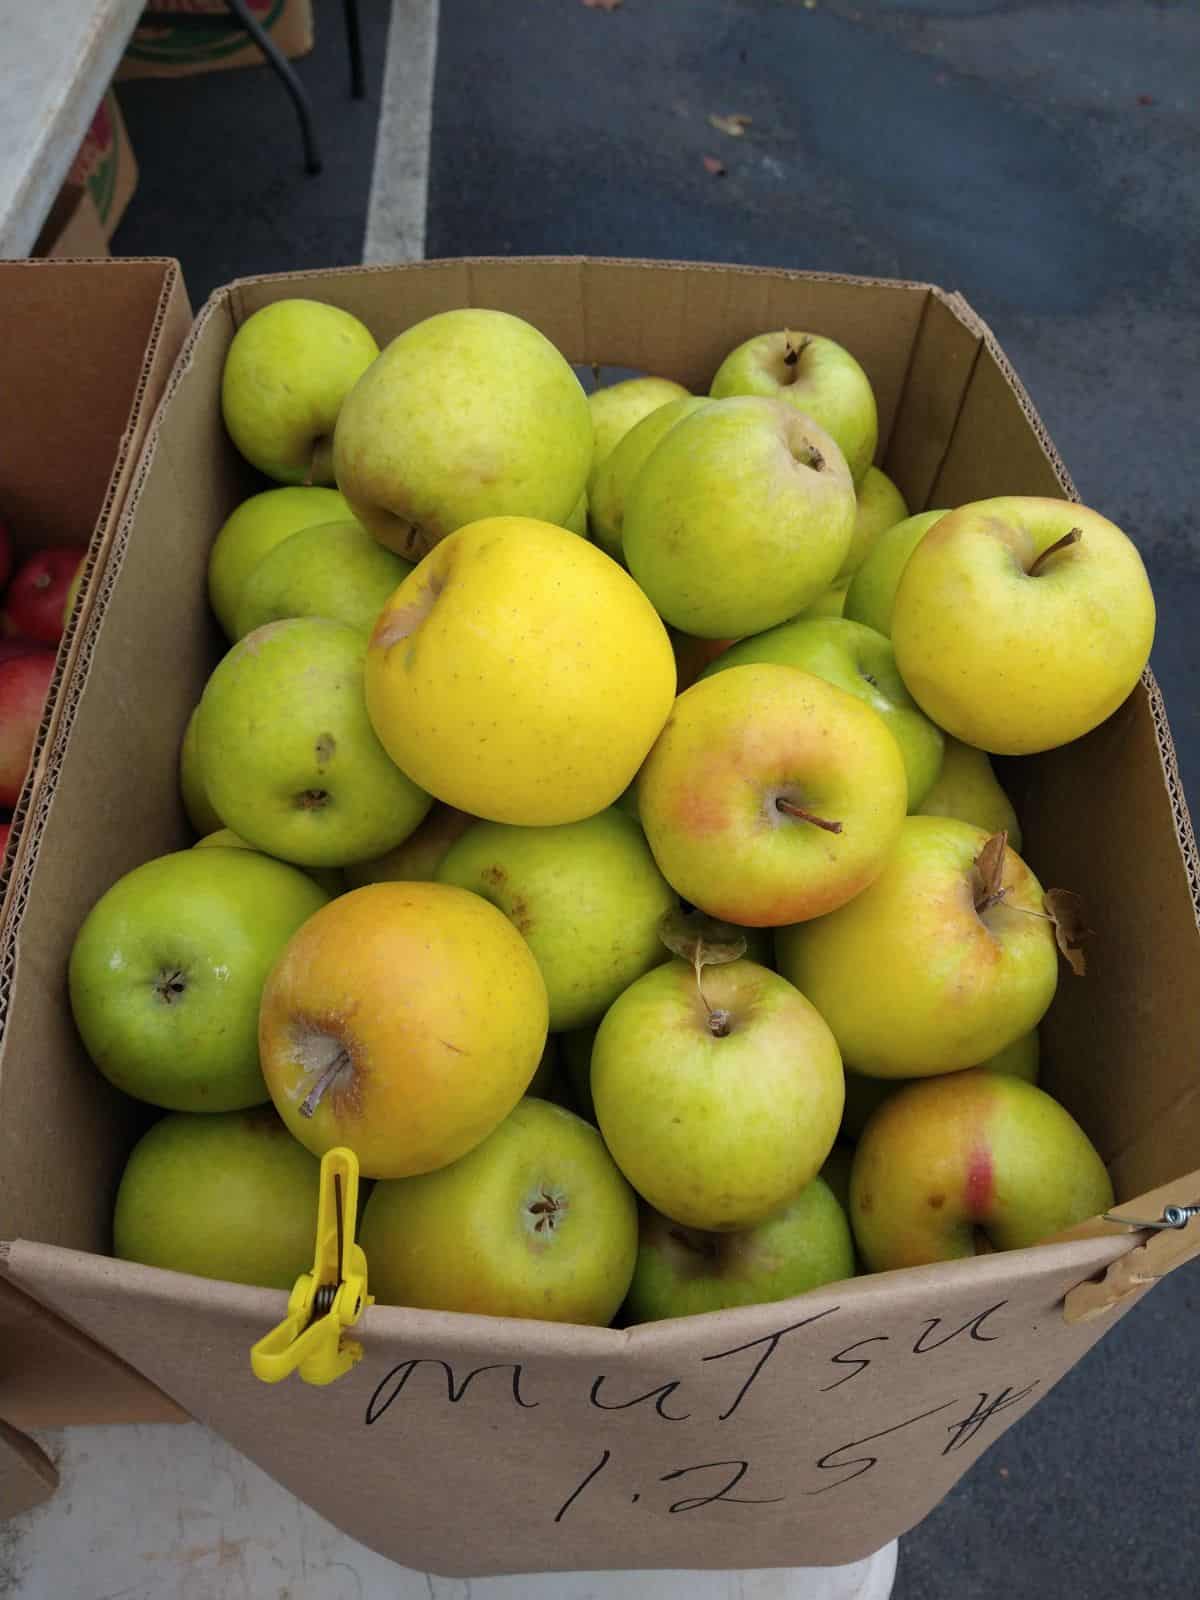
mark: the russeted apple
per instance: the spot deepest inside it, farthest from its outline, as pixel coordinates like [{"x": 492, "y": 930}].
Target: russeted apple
[
  {"x": 718, "y": 1090},
  {"x": 536, "y": 1221},
  {"x": 288, "y": 755},
  {"x": 682, "y": 1272},
  {"x": 229, "y": 1196},
  {"x": 468, "y": 414},
  {"x": 251, "y": 532},
  {"x": 585, "y": 896},
  {"x": 405, "y": 1021},
  {"x": 741, "y": 516},
  {"x": 815, "y": 375},
  {"x": 872, "y": 591},
  {"x": 332, "y": 569},
  {"x": 958, "y": 944},
  {"x": 860, "y": 661},
  {"x": 771, "y": 796},
  {"x": 971, "y": 1162},
  {"x": 287, "y": 373},
  {"x": 519, "y": 674},
  {"x": 167, "y": 970},
  {"x": 1021, "y": 623}
]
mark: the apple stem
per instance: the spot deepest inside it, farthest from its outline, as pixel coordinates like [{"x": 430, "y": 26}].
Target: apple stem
[
  {"x": 1068, "y": 539},
  {"x": 318, "y": 1091},
  {"x": 789, "y": 809},
  {"x": 719, "y": 1023},
  {"x": 794, "y": 351}
]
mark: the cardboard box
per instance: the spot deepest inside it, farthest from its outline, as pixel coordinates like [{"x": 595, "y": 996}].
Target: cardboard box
[
  {"x": 176, "y": 38},
  {"x": 88, "y": 347},
  {"x": 72, "y": 230},
  {"x": 803, "y": 1433},
  {"x": 105, "y": 165}
]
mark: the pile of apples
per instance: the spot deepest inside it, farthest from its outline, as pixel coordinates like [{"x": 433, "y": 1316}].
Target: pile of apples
[
  {"x": 37, "y": 595},
  {"x": 600, "y": 838}
]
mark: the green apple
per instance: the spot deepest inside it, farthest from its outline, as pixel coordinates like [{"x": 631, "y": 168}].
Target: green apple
[
  {"x": 328, "y": 878},
  {"x": 741, "y": 517},
  {"x": 577, "y": 522},
  {"x": 971, "y": 1162},
  {"x": 814, "y": 375},
  {"x": 288, "y": 755},
  {"x": 1021, "y": 623},
  {"x": 168, "y": 967},
  {"x": 200, "y": 813},
  {"x": 880, "y": 506},
  {"x": 417, "y": 858},
  {"x": 830, "y": 604},
  {"x": 926, "y": 971},
  {"x": 682, "y": 1272},
  {"x": 614, "y": 476},
  {"x": 466, "y": 415},
  {"x": 333, "y": 569},
  {"x": 618, "y": 407},
  {"x": 865, "y": 1095},
  {"x": 860, "y": 661},
  {"x": 252, "y": 530},
  {"x": 229, "y": 1196},
  {"x": 771, "y": 795},
  {"x": 719, "y": 1095},
  {"x": 872, "y": 590},
  {"x": 534, "y": 1222},
  {"x": 287, "y": 373},
  {"x": 967, "y": 788},
  {"x": 586, "y": 897}
]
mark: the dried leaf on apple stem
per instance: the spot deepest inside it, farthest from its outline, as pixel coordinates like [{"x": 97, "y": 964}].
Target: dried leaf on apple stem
[
  {"x": 989, "y": 868},
  {"x": 702, "y": 940},
  {"x": 1065, "y": 910}
]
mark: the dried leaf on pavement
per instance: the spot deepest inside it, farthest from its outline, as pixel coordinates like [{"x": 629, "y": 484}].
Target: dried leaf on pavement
[
  {"x": 713, "y": 166},
  {"x": 734, "y": 125}
]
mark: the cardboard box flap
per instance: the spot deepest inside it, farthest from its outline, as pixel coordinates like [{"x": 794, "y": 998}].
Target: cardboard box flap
[
  {"x": 807, "y": 1432},
  {"x": 28, "y": 1477}
]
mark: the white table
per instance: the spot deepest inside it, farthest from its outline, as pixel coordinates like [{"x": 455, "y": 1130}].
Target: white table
[
  {"x": 151, "y": 1512},
  {"x": 56, "y": 60}
]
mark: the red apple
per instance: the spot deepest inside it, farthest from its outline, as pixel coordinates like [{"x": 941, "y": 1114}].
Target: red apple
[
  {"x": 24, "y": 682},
  {"x": 11, "y": 648},
  {"x": 37, "y": 595},
  {"x": 5, "y": 830}
]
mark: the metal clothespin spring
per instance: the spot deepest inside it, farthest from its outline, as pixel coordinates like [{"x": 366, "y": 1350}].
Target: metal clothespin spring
[{"x": 1172, "y": 1217}]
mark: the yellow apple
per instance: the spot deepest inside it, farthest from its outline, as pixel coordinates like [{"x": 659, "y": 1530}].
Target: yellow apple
[
  {"x": 519, "y": 674},
  {"x": 405, "y": 1021},
  {"x": 614, "y": 475},
  {"x": 864, "y": 1095},
  {"x": 467, "y": 414},
  {"x": 872, "y": 591},
  {"x": 920, "y": 974},
  {"x": 972, "y": 1162},
  {"x": 966, "y": 787},
  {"x": 1021, "y": 623},
  {"x": 620, "y": 406}
]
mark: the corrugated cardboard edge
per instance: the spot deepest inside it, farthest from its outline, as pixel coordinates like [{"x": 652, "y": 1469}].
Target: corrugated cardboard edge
[{"x": 172, "y": 318}]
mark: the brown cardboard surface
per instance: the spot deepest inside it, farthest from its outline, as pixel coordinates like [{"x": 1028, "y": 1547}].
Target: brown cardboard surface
[
  {"x": 162, "y": 48},
  {"x": 72, "y": 230},
  {"x": 88, "y": 347},
  {"x": 27, "y": 1475},
  {"x": 865, "y": 1378}
]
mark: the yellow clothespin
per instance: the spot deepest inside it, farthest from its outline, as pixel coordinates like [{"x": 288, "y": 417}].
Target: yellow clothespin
[{"x": 330, "y": 1298}]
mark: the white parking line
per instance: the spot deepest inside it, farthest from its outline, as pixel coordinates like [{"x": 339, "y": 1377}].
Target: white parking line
[{"x": 400, "y": 179}]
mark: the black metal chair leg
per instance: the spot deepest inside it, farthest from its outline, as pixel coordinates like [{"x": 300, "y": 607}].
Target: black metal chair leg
[
  {"x": 277, "y": 59},
  {"x": 358, "y": 81}
]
